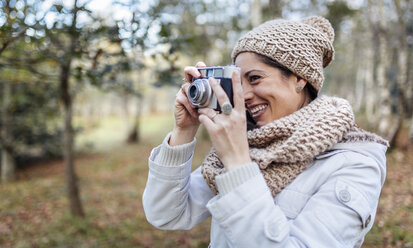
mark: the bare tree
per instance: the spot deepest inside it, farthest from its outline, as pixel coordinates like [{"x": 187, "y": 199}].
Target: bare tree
[
  {"x": 371, "y": 77},
  {"x": 383, "y": 85},
  {"x": 274, "y": 9},
  {"x": 256, "y": 13},
  {"x": 402, "y": 82}
]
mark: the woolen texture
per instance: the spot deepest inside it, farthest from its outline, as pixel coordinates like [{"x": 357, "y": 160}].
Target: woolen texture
[
  {"x": 174, "y": 155},
  {"x": 285, "y": 147},
  {"x": 305, "y": 47}
]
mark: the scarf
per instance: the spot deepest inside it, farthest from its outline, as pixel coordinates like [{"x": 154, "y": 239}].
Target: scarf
[{"x": 285, "y": 147}]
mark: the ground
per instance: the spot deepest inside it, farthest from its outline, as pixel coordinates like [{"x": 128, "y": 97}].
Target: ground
[{"x": 34, "y": 209}]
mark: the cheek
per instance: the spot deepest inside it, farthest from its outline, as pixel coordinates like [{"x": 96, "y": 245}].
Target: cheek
[{"x": 282, "y": 101}]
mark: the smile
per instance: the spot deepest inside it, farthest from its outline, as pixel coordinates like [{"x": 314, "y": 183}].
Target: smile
[{"x": 258, "y": 110}]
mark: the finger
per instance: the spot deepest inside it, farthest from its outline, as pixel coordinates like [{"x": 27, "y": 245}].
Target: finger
[
  {"x": 218, "y": 91},
  {"x": 208, "y": 123},
  {"x": 182, "y": 99},
  {"x": 239, "y": 102},
  {"x": 208, "y": 112},
  {"x": 190, "y": 73},
  {"x": 200, "y": 64},
  {"x": 188, "y": 105},
  {"x": 184, "y": 88},
  {"x": 191, "y": 108}
]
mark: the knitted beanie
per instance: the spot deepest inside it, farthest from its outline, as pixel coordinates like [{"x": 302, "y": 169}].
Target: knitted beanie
[{"x": 305, "y": 47}]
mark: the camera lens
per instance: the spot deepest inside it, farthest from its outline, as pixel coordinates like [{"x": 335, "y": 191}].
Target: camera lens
[
  {"x": 193, "y": 91},
  {"x": 199, "y": 93}
]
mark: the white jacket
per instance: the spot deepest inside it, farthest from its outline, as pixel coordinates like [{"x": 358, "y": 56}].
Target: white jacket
[{"x": 331, "y": 204}]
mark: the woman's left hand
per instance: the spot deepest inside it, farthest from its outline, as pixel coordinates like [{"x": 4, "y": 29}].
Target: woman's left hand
[{"x": 228, "y": 132}]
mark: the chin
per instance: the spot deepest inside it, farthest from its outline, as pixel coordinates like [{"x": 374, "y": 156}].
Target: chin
[{"x": 261, "y": 123}]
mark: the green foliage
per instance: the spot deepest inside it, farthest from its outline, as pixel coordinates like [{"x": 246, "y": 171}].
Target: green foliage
[
  {"x": 33, "y": 109},
  {"x": 34, "y": 114},
  {"x": 34, "y": 54}
]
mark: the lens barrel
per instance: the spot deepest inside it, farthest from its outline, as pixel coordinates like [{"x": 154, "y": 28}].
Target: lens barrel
[{"x": 199, "y": 92}]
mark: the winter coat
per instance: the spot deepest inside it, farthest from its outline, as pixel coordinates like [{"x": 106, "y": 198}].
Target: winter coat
[{"x": 332, "y": 203}]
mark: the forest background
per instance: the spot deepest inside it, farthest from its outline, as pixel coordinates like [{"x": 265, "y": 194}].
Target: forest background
[{"x": 87, "y": 90}]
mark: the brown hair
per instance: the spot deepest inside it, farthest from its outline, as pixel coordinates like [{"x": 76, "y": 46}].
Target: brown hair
[{"x": 310, "y": 90}]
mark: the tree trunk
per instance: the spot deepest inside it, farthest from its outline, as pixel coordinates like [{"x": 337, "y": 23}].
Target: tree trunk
[
  {"x": 75, "y": 204},
  {"x": 370, "y": 94},
  {"x": 409, "y": 73},
  {"x": 384, "y": 94},
  {"x": 8, "y": 166},
  {"x": 371, "y": 73},
  {"x": 393, "y": 134},
  {"x": 358, "y": 69},
  {"x": 411, "y": 131},
  {"x": 135, "y": 134},
  {"x": 402, "y": 61},
  {"x": 256, "y": 13},
  {"x": 274, "y": 8},
  {"x": 76, "y": 208},
  {"x": 126, "y": 113}
]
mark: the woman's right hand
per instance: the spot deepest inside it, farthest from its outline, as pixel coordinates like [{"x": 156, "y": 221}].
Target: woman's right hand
[{"x": 186, "y": 115}]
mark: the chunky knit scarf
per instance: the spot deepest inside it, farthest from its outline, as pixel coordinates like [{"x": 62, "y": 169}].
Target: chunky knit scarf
[{"x": 285, "y": 147}]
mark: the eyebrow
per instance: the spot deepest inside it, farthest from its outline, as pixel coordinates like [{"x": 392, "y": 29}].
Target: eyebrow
[{"x": 250, "y": 71}]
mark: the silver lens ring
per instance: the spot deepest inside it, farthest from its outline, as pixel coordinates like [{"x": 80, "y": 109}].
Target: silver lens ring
[{"x": 199, "y": 93}]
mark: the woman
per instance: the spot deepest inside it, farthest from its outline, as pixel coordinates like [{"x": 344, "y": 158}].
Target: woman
[{"x": 305, "y": 176}]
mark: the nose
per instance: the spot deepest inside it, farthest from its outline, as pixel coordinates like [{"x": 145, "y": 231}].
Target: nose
[{"x": 248, "y": 92}]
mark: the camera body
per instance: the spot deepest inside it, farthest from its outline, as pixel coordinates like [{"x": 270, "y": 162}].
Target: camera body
[{"x": 200, "y": 92}]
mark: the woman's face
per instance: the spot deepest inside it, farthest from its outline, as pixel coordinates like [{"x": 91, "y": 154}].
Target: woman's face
[{"x": 269, "y": 95}]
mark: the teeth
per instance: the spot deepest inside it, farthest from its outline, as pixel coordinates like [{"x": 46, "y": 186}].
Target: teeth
[{"x": 258, "y": 108}]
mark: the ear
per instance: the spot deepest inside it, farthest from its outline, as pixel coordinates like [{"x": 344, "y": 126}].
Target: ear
[{"x": 301, "y": 83}]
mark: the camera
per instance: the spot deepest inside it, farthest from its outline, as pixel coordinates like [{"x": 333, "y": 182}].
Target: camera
[{"x": 200, "y": 92}]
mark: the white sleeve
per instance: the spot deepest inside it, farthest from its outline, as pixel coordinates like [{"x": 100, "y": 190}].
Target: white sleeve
[
  {"x": 174, "y": 155},
  {"x": 173, "y": 197}
]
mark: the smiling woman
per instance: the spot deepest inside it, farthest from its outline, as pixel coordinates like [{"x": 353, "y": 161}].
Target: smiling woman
[
  {"x": 258, "y": 83},
  {"x": 305, "y": 176}
]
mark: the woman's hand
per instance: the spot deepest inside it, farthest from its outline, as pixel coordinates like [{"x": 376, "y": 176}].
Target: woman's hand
[
  {"x": 186, "y": 116},
  {"x": 228, "y": 133}
]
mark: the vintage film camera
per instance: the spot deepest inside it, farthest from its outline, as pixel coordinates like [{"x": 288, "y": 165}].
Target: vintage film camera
[
  {"x": 200, "y": 92},
  {"x": 201, "y": 95}
]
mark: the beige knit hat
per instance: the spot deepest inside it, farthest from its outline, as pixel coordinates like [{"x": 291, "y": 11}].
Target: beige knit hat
[{"x": 305, "y": 47}]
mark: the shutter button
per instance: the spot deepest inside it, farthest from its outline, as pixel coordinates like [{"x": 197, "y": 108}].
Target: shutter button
[{"x": 344, "y": 195}]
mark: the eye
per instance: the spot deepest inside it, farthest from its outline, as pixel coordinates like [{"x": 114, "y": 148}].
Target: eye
[{"x": 253, "y": 78}]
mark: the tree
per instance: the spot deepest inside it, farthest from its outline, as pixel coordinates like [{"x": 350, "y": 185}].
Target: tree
[
  {"x": 66, "y": 41},
  {"x": 8, "y": 166},
  {"x": 16, "y": 61},
  {"x": 74, "y": 48},
  {"x": 402, "y": 65},
  {"x": 9, "y": 35},
  {"x": 173, "y": 36},
  {"x": 256, "y": 13},
  {"x": 137, "y": 29}
]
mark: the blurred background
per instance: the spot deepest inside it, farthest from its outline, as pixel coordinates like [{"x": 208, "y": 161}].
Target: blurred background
[{"x": 87, "y": 90}]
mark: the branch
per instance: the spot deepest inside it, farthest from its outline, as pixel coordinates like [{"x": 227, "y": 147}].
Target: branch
[
  {"x": 28, "y": 67},
  {"x": 11, "y": 39}
]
